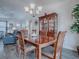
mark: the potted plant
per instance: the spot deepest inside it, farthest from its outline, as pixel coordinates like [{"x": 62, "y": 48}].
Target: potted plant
[{"x": 75, "y": 25}]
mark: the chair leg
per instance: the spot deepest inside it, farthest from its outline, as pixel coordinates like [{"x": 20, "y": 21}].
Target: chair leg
[
  {"x": 17, "y": 50},
  {"x": 22, "y": 55},
  {"x": 61, "y": 54}
]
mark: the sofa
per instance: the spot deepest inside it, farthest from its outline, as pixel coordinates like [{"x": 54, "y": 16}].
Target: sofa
[
  {"x": 1, "y": 34},
  {"x": 9, "y": 39}
]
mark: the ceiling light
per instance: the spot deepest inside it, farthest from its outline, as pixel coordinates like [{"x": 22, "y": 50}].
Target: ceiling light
[
  {"x": 17, "y": 25},
  {"x": 33, "y": 10},
  {"x": 32, "y": 6},
  {"x": 37, "y": 12},
  {"x": 26, "y": 9},
  {"x": 40, "y": 8}
]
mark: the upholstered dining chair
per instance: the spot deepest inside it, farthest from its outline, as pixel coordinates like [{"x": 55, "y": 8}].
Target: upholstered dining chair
[
  {"x": 57, "y": 48},
  {"x": 23, "y": 48}
]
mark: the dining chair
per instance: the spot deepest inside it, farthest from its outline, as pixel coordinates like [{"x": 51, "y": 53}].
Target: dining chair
[
  {"x": 23, "y": 48},
  {"x": 57, "y": 48}
]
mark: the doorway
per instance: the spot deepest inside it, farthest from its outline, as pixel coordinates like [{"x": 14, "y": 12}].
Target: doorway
[{"x": 3, "y": 30}]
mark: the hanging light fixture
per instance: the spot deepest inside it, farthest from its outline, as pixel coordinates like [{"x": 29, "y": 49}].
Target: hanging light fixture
[{"x": 33, "y": 9}]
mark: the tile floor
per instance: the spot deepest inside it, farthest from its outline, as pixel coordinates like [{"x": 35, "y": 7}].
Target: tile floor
[{"x": 9, "y": 52}]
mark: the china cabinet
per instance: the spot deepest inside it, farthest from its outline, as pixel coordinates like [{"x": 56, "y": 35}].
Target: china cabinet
[{"x": 48, "y": 26}]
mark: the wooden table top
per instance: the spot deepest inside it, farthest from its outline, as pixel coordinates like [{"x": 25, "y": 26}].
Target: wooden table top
[{"x": 42, "y": 43}]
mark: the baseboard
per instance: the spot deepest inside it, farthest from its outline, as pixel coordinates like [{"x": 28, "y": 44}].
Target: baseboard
[{"x": 70, "y": 49}]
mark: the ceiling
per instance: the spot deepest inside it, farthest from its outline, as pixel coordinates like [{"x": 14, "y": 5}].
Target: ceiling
[{"x": 15, "y": 8}]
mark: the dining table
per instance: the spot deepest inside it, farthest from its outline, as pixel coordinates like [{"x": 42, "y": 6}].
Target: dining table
[{"x": 40, "y": 43}]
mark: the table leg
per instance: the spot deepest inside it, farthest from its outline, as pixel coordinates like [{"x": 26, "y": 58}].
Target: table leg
[{"x": 38, "y": 52}]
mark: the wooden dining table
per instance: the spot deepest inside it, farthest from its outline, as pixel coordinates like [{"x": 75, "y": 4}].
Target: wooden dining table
[{"x": 40, "y": 44}]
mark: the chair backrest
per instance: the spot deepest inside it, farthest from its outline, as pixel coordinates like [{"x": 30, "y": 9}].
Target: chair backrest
[
  {"x": 59, "y": 45},
  {"x": 25, "y": 33},
  {"x": 21, "y": 40}
]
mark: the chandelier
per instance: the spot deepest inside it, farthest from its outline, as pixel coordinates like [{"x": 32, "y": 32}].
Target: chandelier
[{"x": 33, "y": 9}]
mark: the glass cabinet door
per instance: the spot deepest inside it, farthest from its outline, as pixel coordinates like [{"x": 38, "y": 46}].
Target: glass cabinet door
[{"x": 47, "y": 26}]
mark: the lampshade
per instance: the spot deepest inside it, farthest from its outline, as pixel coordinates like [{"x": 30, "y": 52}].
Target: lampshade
[
  {"x": 32, "y": 6},
  {"x": 31, "y": 12},
  {"x": 40, "y": 8},
  {"x": 26, "y": 9},
  {"x": 37, "y": 12}
]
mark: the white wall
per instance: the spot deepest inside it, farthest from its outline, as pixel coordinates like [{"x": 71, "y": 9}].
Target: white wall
[{"x": 64, "y": 10}]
